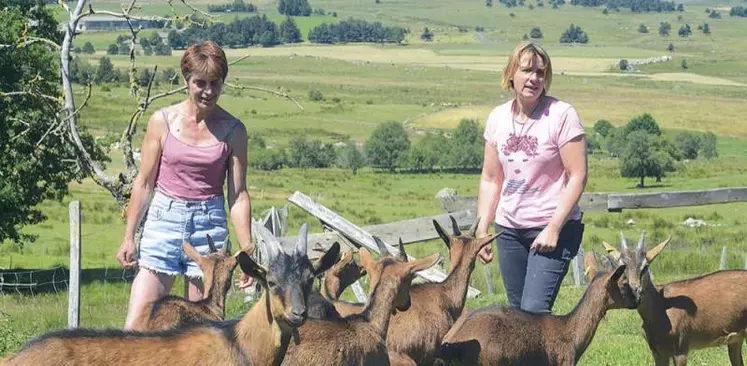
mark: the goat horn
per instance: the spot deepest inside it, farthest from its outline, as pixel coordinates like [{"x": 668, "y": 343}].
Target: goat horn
[
  {"x": 303, "y": 239},
  {"x": 227, "y": 246},
  {"x": 402, "y": 256},
  {"x": 441, "y": 232},
  {"x": 265, "y": 237},
  {"x": 211, "y": 244},
  {"x": 455, "y": 226},
  {"x": 473, "y": 229},
  {"x": 640, "y": 241},
  {"x": 612, "y": 251},
  {"x": 382, "y": 247},
  {"x": 651, "y": 255},
  {"x": 623, "y": 243}
]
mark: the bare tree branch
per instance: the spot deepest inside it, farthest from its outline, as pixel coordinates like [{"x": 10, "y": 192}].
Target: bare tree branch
[
  {"x": 30, "y": 93},
  {"x": 28, "y": 128},
  {"x": 276, "y": 93}
]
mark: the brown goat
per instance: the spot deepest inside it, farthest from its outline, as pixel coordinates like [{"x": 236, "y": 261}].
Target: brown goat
[
  {"x": 701, "y": 312},
  {"x": 260, "y": 337},
  {"x": 343, "y": 274},
  {"x": 360, "y": 339},
  {"x": 499, "y": 335},
  {"x": 217, "y": 268},
  {"x": 436, "y": 306}
]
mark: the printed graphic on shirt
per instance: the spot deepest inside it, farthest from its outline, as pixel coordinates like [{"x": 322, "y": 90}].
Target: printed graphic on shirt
[{"x": 519, "y": 150}]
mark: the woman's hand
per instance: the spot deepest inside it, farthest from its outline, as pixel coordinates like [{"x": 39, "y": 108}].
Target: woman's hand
[
  {"x": 547, "y": 240},
  {"x": 126, "y": 254},
  {"x": 245, "y": 281}
]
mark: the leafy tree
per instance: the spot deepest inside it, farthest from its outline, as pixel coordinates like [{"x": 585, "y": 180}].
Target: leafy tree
[
  {"x": 714, "y": 15},
  {"x": 289, "y": 32},
  {"x": 688, "y": 144},
  {"x": 489, "y": 3},
  {"x": 176, "y": 40},
  {"x": 643, "y": 157},
  {"x": 642, "y": 28},
  {"x": 535, "y": 33},
  {"x": 81, "y": 71},
  {"x": 36, "y": 165},
  {"x": 316, "y": 95},
  {"x": 294, "y": 7},
  {"x": 351, "y": 157},
  {"x": 708, "y": 145},
  {"x": 428, "y": 153},
  {"x": 144, "y": 77},
  {"x": 680, "y": 7},
  {"x": 593, "y": 145},
  {"x": 705, "y": 28},
  {"x": 311, "y": 153},
  {"x": 168, "y": 76},
  {"x": 574, "y": 34},
  {"x": 664, "y": 28},
  {"x": 603, "y": 127},
  {"x": 386, "y": 144},
  {"x": 427, "y": 35},
  {"x": 106, "y": 72},
  {"x": 670, "y": 47},
  {"x": 623, "y": 65},
  {"x": 112, "y": 50},
  {"x": 684, "y": 64},
  {"x": 685, "y": 31},
  {"x": 88, "y": 48},
  {"x": 644, "y": 122},
  {"x": 466, "y": 146}
]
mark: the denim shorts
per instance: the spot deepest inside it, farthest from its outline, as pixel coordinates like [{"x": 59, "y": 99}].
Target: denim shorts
[{"x": 169, "y": 223}]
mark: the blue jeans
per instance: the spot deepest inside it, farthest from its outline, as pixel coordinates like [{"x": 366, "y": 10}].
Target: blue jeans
[
  {"x": 533, "y": 279},
  {"x": 169, "y": 223}
]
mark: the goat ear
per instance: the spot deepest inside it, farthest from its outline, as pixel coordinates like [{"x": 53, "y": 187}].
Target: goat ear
[
  {"x": 211, "y": 244},
  {"x": 442, "y": 233},
  {"x": 367, "y": 260},
  {"x": 382, "y": 247},
  {"x": 590, "y": 262},
  {"x": 616, "y": 274},
  {"x": 485, "y": 240},
  {"x": 192, "y": 253},
  {"x": 327, "y": 260},
  {"x": 250, "y": 267},
  {"x": 402, "y": 256},
  {"x": 651, "y": 254},
  {"x": 424, "y": 263},
  {"x": 227, "y": 246},
  {"x": 612, "y": 251}
]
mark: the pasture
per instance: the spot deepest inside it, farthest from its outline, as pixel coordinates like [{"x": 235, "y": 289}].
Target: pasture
[{"x": 433, "y": 86}]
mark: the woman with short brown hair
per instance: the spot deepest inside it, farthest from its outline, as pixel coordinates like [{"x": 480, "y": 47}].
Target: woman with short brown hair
[
  {"x": 533, "y": 174},
  {"x": 189, "y": 150}
]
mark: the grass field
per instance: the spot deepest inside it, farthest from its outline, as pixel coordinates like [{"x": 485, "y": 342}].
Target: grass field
[{"x": 434, "y": 86}]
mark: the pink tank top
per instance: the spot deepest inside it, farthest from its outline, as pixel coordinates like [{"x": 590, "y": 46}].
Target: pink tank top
[{"x": 192, "y": 173}]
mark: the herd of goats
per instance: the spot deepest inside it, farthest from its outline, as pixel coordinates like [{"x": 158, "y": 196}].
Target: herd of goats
[{"x": 404, "y": 323}]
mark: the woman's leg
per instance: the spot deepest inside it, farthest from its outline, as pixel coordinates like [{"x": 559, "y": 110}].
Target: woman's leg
[
  {"x": 545, "y": 271},
  {"x": 147, "y": 287},
  {"x": 512, "y": 259}
]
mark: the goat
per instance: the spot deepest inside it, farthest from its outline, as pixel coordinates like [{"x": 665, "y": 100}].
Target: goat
[
  {"x": 217, "y": 268},
  {"x": 436, "y": 306},
  {"x": 701, "y": 312},
  {"x": 360, "y": 338},
  {"x": 509, "y": 336},
  {"x": 259, "y": 337},
  {"x": 325, "y": 304}
]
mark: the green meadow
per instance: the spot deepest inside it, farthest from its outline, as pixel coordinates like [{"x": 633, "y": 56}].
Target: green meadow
[{"x": 427, "y": 86}]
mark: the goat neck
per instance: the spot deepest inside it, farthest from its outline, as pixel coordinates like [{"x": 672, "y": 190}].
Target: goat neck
[
  {"x": 582, "y": 322},
  {"x": 256, "y": 329},
  {"x": 380, "y": 305}
]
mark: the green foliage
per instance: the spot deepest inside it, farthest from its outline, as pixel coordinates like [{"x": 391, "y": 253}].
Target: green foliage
[
  {"x": 427, "y": 35},
  {"x": 603, "y": 127},
  {"x": 574, "y": 34},
  {"x": 88, "y": 48},
  {"x": 535, "y": 33},
  {"x": 593, "y": 145},
  {"x": 354, "y": 30},
  {"x": 36, "y": 165},
  {"x": 144, "y": 77},
  {"x": 466, "y": 146},
  {"x": 316, "y": 95},
  {"x": 623, "y": 65},
  {"x": 311, "y": 153},
  {"x": 289, "y": 32},
  {"x": 688, "y": 144},
  {"x": 708, "y": 145},
  {"x": 386, "y": 145},
  {"x": 428, "y": 153},
  {"x": 664, "y": 29},
  {"x": 294, "y": 7},
  {"x": 642, "y": 28},
  {"x": 351, "y": 157},
  {"x": 645, "y": 155},
  {"x": 106, "y": 73},
  {"x": 237, "y": 6},
  {"x": 112, "y": 50},
  {"x": 685, "y": 31},
  {"x": 644, "y": 122}
]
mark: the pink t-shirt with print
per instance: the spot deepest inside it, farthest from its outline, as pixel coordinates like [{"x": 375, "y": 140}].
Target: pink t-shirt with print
[{"x": 534, "y": 176}]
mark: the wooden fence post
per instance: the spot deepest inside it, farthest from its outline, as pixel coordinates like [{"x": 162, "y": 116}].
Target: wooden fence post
[
  {"x": 578, "y": 268},
  {"x": 745, "y": 261},
  {"x": 73, "y": 308},
  {"x": 488, "y": 281},
  {"x": 722, "y": 265}
]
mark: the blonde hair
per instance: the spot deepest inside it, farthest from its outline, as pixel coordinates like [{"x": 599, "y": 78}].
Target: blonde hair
[
  {"x": 207, "y": 58},
  {"x": 514, "y": 62}
]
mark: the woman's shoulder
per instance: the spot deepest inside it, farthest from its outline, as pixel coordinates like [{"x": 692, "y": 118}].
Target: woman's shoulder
[
  {"x": 501, "y": 111},
  {"x": 557, "y": 107}
]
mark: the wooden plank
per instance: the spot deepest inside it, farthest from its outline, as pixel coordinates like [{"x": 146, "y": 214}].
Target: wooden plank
[
  {"x": 358, "y": 235},
  {"x": 73, "y": 307},
  {"x": 724, "y": 257},
  {"x": 676, "y": 198}
]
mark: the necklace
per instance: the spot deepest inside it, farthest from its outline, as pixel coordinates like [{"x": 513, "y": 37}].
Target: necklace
[{"x": 514, "y": 122}]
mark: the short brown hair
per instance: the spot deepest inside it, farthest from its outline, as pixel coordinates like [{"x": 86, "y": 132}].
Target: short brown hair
[
  {"x": 206, "y": 58},
  {"x": 514, "y": 62}
]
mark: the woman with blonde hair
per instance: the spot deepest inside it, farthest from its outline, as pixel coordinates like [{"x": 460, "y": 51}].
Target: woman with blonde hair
[
  {"x": 533, "y": 174},
  {"x": 189, "y": 150}
]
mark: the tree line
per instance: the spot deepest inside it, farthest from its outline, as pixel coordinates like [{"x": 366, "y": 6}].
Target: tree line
[
  {"x": 237, "y": 6},
  {"x": 354, "y": 30}
]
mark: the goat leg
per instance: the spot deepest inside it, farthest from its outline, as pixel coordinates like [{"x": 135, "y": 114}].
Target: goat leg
[{"x": 735, "y": 353}]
